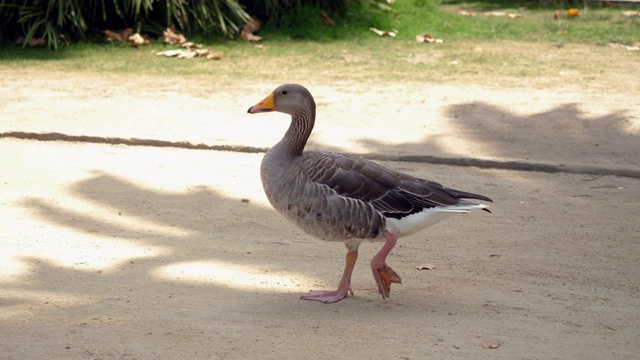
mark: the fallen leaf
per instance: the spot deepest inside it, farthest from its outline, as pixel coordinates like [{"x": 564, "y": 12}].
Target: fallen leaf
[
  {"x": 327, "y": 20},
  {"x": 169, "y": 53},
  {"x": 426, "y": 266},
  {"x": 170, "y": 36},
  {"x": 249, "y": 36},
  {"x": 37, "y": 42},
  {"x": 137, "y": 40},
  {"x": 427, "y": 38},
  {"x": 190, "y": 45},
  {"x": 126, "y": 32},
  {"x": 186, "y": 54},
  {"x": 214, "y": 57},
  {"x": 466, "y": 13},
  {"x": 514, "y": 15},
  {"x": 572, "y": 13},
  {"x": 252, "y": 25},
  {"x": 112, "y": 36},
  {"x": 633, "y": 47},
  {"x": 201, "y": 52},
  {"x": 631, "y": 13},
  {"x": 495, "y": 13},
  {"x": 383, "y": 33},
  {"x": 491, "y": 345}
]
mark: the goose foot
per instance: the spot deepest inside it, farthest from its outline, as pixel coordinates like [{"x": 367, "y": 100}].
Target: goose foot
[
  {"x": 344, "y": 287},
  {"x": 383, "y": 273},
  {"x": 328, "y": 297}
]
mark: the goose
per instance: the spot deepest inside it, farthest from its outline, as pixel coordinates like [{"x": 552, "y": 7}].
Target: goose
[{"x": 338, "y": 197}]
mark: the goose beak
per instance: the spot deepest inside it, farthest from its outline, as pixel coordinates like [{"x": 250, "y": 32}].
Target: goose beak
[{"x": 265, "y": 105}]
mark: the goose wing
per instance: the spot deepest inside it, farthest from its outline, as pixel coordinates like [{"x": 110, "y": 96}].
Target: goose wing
[{"x": 390, "y": 192}]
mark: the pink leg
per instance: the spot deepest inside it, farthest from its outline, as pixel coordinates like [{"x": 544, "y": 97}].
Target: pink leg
[
  {"x": 383, "y": 274},
  {"x": 344, "y": 287}
]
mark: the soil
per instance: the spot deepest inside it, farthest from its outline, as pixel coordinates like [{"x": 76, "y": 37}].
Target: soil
[{"x": 111, "y": 251}]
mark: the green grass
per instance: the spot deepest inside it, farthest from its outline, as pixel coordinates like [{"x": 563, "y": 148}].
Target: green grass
[
  {"x": 493, "y": 50},
  {"x": 411, "y": 17},
  {"x": 598, "y": 25}
]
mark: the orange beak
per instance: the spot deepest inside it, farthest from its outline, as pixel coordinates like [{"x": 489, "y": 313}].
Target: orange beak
[{"x": 265, "y": 105}]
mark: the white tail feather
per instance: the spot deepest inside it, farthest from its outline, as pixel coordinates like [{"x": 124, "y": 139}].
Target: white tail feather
[{"x": 413, "y": 223}]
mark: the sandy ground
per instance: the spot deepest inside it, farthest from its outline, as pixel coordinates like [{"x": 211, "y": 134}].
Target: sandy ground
[{"x": 121, "y": 252}]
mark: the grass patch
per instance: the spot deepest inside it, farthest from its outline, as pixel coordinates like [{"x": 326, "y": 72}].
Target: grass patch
[{"x": 529, "y": 51}]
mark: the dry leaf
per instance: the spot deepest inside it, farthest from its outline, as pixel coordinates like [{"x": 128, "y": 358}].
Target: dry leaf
[
  {"x": 572, "y": 13},
  {"x": 126, "y": 32},
  {"x": 383, "y": 33},
  {"x": 112, "y": 36},
  {"x": 186, "y": 54},
  {"x": 137, "y": 39},
  {"x": 191, "y": 45},
  {"x": 117, "y": 37},
  {"x": 171, "y": 37},
  {"x": 514, "y": 15},
  {"x": 169, "y": 53},
  {"x": 466, "y": 13},
  {"x": 214, "y": 57},
  {"x": 37, "y": 42},
  {"x": 495, "y": 13},
  {"x": 427, "y": 38},
  {"x": 201, "y": 52},
  {"x": 327, "y": 20},
  {"x": 491, "y": 345},
  {"x": 633, "y": 47},
  {"x": 426, "y": 266},
  {"x": 252, "y": 25},
  {"x": 247, "y": 32},
  {"x": 631, "y": 13},
  {"x": 249, "y": 36}
]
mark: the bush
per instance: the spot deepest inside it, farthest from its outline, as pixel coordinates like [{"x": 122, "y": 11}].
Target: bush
[{"x": 56, "y": 20}]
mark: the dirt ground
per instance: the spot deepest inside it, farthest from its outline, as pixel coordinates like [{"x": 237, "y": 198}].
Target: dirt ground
[{"x": 123, "y": 252}]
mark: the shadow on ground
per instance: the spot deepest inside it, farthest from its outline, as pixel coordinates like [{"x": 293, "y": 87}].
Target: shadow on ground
[{"x": 562, "y": 135}]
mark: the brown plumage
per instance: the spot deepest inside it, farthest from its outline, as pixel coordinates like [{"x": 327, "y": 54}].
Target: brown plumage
[{"x": 338, "y": 197}]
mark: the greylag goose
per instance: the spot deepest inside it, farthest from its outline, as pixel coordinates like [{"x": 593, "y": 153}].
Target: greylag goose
[{"x": 337, "y": 197}]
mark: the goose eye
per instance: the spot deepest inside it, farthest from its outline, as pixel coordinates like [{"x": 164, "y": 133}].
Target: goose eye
[{"x": 284, "y": 92}]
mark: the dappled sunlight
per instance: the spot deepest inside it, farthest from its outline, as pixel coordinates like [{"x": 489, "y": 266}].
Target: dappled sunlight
[
  {"x": 82, "y": 214},
  {"x": 231, "y": 275},
  {"x": 21, "y": 302},
  {"x": 78, "y": 211},
  {"x": 69, "y": 250}
]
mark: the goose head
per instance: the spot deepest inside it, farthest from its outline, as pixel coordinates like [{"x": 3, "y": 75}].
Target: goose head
[{"x": 292, "y": 99}]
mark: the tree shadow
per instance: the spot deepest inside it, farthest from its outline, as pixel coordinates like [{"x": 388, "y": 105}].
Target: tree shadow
[
  {"x": 564, "y": 134},
  {"x": 141, "y": 241},
  {"x": 558, "y": 136}
]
